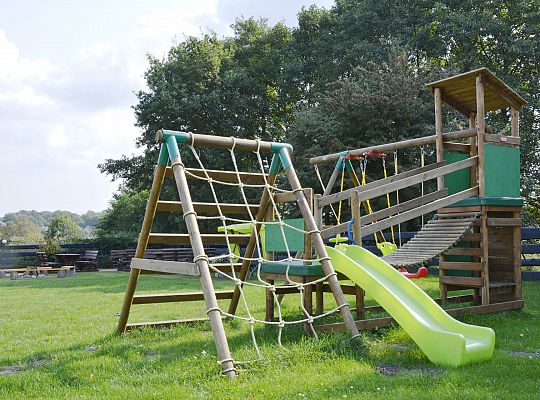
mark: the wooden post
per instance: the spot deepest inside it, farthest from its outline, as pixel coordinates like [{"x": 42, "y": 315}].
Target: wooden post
[
  {"x": 485, "y": 256},
  {"x": 514, "y": 118},
  {"x": 320, "y": 250},
  {"x": 269, "y": 256},
  {"x": 439, "y": 142},
  {"x": 473, "y": 141},
  {"x": 355, "y": 212},
  {"x": 200, "y": 258},
  {"x": 360, "y": 305},
  {"x": 516, "y": 255},
  {"x": 481, "y": 128},
  {"x": 151, "y": 206},
  {"x": 331, "y": 182},
  {"x": 319, "y": 288}
]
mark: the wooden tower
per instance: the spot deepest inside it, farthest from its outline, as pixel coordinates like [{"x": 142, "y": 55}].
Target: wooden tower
[{"x": 488, "y": 260}]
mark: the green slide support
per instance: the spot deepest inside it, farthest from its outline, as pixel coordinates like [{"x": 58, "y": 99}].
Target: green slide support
[{"x": 443, "y": 339}]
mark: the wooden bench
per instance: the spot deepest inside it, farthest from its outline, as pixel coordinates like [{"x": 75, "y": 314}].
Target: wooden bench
[
  {"x": 88, "y": 262},
  {"x": 62, "y": 272}
]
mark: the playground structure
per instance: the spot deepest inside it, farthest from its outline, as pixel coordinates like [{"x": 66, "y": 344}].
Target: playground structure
[
  {"x": 475, "y": 232},
  {"x": 476, "y": 229}
]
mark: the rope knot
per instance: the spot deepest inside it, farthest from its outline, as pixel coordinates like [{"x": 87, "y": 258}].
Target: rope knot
[{"x": 238, "y": 282}]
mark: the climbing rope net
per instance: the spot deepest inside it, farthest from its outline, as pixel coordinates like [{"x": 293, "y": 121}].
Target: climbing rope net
[{"x": 259, "y": 257}]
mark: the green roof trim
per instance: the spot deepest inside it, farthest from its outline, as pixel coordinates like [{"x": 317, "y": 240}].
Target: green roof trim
[
  {"x": 490, "y": 201},
  {"x": 295, "y": 269}
]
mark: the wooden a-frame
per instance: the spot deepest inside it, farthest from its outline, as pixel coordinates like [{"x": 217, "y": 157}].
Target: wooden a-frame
[{"x": 170, "y": 153}]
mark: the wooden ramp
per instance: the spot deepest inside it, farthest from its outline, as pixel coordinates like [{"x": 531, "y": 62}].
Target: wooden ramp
[{"x": 435, "y": 237}]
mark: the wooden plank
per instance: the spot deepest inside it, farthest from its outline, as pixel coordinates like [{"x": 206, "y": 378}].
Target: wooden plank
[
  {"x": 401, "y": 184},
  {"x": 481, "y": 130},
  {"x": 387, "y": 212},
  {"x": 514, "y": 121},
  {"x": 501, "y": 93},
  {"x": 168, "y": 267},
  {"x": 502, "y": 139},
  {"x": 439, "y": 141},
  {"x": 408, "y": 215},
  {"x": 165, "y": 324},
  {"x": 226, "y": 208},
  {"x": 459, "y": 147},
  {"x": 462, "y": 281},
  {"x": 223, "y": 176},
  {"x": 463, "y": 251},
  {"x": 390, "y": 147},
  {"x": 460, "y": 266},
  {"x": 177, "y": 297},
  {"x": 207, "y": 238},
  {"x": 504, "y": 222},
  {"x": 454, "y": 312},
  {"x": 284, "y": 197},
  {"x": 471, "y": 237},
  {"x": 333, "y": 198}
]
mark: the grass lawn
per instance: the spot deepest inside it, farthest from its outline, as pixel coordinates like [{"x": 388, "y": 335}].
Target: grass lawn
[{"x": 58, "y": 342}]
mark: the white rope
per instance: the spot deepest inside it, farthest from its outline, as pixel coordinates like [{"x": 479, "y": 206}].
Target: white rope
[{"x": 258, "y": 257}]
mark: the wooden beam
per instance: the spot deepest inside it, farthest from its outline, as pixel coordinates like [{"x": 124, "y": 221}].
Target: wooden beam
[
  {"x": 168, "y": 267},
  {"x": 223, "y": 176},
  {"x": 459, "y": 147},
  {"x": 165, "y": 324},
  {"x": 177, "y": 297},
  {"x": 502, "y": 139},
  {"x": 390, "y": 147},
  {"x": 514, "y": 121},
  {"x": 481, "y": 131},
  {"x": 417, "y": 212},
  {"x": 439, "y": 141},
  {"x": 386, "y": 212},
  {"x": 381, "y": 189},
  {"x": 226, "y": 208},
  {"x": 184, "y": 238},
  {"x": 499, "y": 92},
  {"x": 504, "y": 222},
  {"x": 460, "y": 266}
]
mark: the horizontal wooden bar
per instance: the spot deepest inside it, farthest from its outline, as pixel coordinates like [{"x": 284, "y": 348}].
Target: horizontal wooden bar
[
  {"x": 419, "y": 211},
  {"x": 454, "y": 312},
  {"x": 390, "y": 147},
  {"x": 461, "y": 281},
  {"x": 504, "y": 221},
  {"x": 459, "y": 147},
  {"x": 460, "y": 266},
  {"x": 513, "y": 141},
  {"x": 178, "y": 297},
  {"x": 207, "y": 208},
  {"x": 345, "y": 194},
  {"x": 207, "y": 238},
  {"x": 165, "y": 324},
  {"x": 223, "y": 176},
  {"x": 464, "y": 251},
  {"x": 167, "y": 267},
  {"x": 226, "y": 142},
  {"x": 284, "y": 197}
]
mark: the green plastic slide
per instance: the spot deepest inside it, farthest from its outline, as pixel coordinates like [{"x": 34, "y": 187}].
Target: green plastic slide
[{"x": 443, "y": 339}]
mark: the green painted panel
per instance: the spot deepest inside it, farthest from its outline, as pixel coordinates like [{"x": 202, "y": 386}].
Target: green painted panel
[
  {"x": 295, "y": 239},
  {"x": 459, "y": 180},
  {"x": 501, "y": 171},
  {"x": 296, "y": 269}
]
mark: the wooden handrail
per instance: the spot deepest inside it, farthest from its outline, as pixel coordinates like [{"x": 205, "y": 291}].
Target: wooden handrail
[
  {"x": 377, "y": 189},
  {"x": 389, "y": 147},
  {"x": 419, "y": 211}
]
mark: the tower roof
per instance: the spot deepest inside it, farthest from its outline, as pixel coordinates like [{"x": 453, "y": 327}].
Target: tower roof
[{"x": 459, "y": 92}]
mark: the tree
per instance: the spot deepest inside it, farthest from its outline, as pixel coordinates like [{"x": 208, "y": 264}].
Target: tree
[
  {"x": 21, "y": 230},
  {"x": 62, "y": 229}
]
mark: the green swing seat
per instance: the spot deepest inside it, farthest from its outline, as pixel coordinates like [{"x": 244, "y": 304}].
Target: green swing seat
[{"x": 295, "y": 242}]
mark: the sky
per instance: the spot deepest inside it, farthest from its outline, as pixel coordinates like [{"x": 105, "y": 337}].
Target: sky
[{"x": 68, "y": 74}]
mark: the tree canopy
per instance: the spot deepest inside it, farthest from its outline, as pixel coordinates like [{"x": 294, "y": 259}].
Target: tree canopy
[{"x": 346, "y": 76}]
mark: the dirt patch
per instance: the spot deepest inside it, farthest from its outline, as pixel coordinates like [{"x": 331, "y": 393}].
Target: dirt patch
[
  {"x": 10, "y": 370},
  {"x": 530, "y": 354},
  {"x": 38, "y": 363},
  {"x": 150, "y": 355},
  {"x": 93, "y": 348},
  {"x": 391, "y": 370}
]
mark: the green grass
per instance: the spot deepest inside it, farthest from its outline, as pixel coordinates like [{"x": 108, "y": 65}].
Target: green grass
[{"x": 57, "y": 342}]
